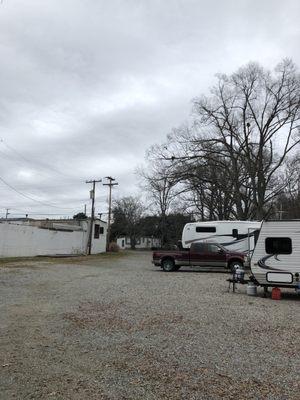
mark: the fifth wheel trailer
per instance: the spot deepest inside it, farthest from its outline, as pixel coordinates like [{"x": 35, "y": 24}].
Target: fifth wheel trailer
[
  {"x": 276, "y": 257},
  {"x": 234, "y": 235}
]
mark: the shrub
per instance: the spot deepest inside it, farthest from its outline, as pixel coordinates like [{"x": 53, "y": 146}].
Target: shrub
[{"x": 113, "y": 247}]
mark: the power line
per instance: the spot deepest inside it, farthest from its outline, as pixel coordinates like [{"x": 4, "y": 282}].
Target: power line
[
  {"x": 37, "y": 213},
  {"x": 24, "y": 186},
  {"x": 31, "y": 161},
  {"x": 31, "y": 198}
]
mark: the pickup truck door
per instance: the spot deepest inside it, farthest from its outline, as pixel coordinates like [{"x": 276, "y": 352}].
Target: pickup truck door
[
  {"x": 215, "y": 256},
  {"x": 197, "y": 254},
  {"x": 207, "y": 255}
]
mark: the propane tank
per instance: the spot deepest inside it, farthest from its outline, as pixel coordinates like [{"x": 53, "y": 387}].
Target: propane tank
[
  {"x": 239, "y": 274},
  {"x": 251, "y": 289}
]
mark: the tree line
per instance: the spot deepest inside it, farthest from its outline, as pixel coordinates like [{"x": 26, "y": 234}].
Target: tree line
[{"x": 132, "y": 219}]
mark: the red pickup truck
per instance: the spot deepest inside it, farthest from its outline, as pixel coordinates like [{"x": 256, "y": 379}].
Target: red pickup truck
[{"x": 200, "y": 254}]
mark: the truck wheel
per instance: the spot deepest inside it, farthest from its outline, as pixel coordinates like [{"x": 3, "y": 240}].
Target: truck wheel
[
  {"x": 234, "y": 265},
  {"x": 168, "y": 265}
]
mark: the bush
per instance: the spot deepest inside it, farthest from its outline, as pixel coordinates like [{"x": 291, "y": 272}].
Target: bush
[{"x": 113, "y": 247}]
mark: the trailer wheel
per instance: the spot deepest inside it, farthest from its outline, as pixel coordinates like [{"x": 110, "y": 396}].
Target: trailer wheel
[
  {"x": 234, "y": 265},
  {"x": 168, "y": 265}
]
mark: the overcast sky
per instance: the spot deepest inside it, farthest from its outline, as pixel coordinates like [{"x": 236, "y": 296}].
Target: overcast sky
[{"x": 88, "y": 85}]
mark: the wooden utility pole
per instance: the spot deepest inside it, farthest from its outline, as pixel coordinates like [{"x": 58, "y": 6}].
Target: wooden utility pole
[
  {"x": 110, "y": 185},
  {"x": 92, "y": 195}
]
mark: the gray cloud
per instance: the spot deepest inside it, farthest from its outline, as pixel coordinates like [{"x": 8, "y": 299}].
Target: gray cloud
[{"x": 87, "y": 86}]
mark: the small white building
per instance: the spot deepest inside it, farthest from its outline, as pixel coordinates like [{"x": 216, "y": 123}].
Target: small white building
[
  {"x": 142, "y": 243},
  {"x": 28, "y": 237}
]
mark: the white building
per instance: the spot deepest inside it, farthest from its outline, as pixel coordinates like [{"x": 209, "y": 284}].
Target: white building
[
  {"x": 26, "y": 237},
  {"x": 141, "y": 243}
]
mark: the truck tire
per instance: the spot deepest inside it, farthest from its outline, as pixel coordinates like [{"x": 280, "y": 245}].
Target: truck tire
[
  {"x": 234, "y": 265},
  {"x": 168, "y": 265}
]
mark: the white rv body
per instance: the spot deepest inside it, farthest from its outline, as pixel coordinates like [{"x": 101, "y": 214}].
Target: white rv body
[
  {"x": 234, "y": 235},
  {"x": 276, "y": 257}
]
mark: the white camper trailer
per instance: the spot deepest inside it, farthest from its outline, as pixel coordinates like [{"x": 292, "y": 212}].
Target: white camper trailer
[
  {"x": 234, "y": 235},
  {"x": 276, "y": 257}
]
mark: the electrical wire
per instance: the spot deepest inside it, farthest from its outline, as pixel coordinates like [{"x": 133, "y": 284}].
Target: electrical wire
[
  {"x": 44, "y": 166},
  {"x": 20, "y": 187},
  {"x": 37, "y": 213},
  {"x": 30, "y": 161},
  {"x": 31, "y": 198}
]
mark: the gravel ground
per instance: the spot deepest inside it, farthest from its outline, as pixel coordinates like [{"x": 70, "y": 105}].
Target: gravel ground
[{"x": 122, "y": 329}]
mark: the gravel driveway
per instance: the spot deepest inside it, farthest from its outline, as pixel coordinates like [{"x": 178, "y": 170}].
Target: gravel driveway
[{"x": 119, "y": 328}]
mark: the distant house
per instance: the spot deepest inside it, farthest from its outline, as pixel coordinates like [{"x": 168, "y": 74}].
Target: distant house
[
  {"x": 142, "y": 243},
  {"x": 28, "y": 237}
]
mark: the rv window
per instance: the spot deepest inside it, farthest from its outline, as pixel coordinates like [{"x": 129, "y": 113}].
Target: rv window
[
  {"x": 235, "y": 233},
  {"x": 205, "y": 229},
  {"x": 278, "y": 245},
  {"x": 256, "y": 234}
]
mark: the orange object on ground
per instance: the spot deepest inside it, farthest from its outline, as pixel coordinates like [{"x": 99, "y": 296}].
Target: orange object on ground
[{"x": 276, "y": 293}]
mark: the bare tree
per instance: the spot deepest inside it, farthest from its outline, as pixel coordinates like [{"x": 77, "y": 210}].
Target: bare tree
[
  {"x": 236, "y": 149},
  {"x": 254, "y": 116},
  {"x": 206, "y": 175},
  {"x": 127, "y": 213},
  {"x": 287, "y": 205},
  {"x": 161, "y": 185}
]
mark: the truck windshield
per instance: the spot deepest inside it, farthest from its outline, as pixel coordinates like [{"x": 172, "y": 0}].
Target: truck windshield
[{"x": 222, "y": 247}]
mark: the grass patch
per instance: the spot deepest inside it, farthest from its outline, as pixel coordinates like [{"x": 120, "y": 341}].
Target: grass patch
[
  {"x": 24, "y": 261},
  {"x": 90, "y": 258}
]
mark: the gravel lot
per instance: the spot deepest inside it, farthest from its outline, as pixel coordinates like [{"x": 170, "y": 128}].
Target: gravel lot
[{"x": 119, "y": 328}]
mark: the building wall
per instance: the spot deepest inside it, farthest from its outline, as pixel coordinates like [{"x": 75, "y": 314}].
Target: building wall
[
  {"x": 19, "y": 239},
  {"x": 99, "y": 245}
]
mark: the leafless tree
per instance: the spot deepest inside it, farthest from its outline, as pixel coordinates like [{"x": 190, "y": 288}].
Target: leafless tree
[
  {"x": 233, "y": 155},
  {"x": 252, "y": 119},
  {"x": 287, "y": 205},
  {"x": 161, "y": 185},
  {"x": 127, "y": 213},
  {"x": 206, "y": 175}
]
